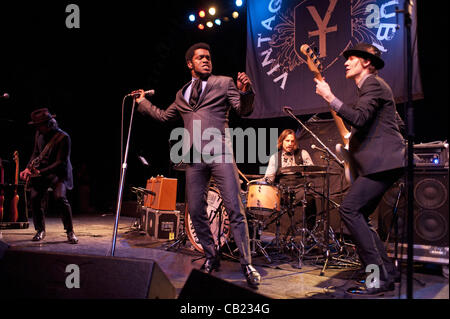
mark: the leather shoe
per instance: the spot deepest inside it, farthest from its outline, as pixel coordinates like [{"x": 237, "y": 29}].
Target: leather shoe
[
  {"x": 363, "y": 291},
  {"x": 210, "y": 264},
  {"x": 361, "y": 277},
  {"x": 72, "y": 238},
  {"x": 252, "y": 275},
  {"x": 40, "y": 235}
]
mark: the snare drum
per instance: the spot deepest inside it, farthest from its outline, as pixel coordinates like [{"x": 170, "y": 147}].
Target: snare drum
[{"x": 263, "y": 198}]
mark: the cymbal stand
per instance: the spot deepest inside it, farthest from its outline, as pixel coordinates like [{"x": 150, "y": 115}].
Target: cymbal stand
[
  {"x": 276, "y": 241},
  {"x": 255, "y": 244}
]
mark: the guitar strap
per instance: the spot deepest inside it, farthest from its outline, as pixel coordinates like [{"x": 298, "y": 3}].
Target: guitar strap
[{"x": 55, "y": 139}]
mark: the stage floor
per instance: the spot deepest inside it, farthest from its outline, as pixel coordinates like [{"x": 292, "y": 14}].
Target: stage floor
[{"x": 281, "y": 279}]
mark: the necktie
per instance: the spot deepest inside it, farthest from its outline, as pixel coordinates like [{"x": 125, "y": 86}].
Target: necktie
[{"x": 196, "y": 90}]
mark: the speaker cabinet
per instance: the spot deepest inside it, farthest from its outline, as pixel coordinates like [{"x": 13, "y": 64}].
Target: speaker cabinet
[
  {"x": 430, "y": 215},
  {"x": 31, "y": 274},
  {"x": 201, "y": 286}
]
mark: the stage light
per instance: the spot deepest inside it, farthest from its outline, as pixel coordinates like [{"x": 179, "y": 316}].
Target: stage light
[
  {"x": 238, "y": 3},
  {"x": 201, "y": 14},
  {"x": 191, "y": 17},
  {"x": 209, "y": 24},
  {"x": 226, "y": 19},
  {"x": 212, "y": 11},
  {"x": 201, "y": 26},
  {"x": 235, "y": 14},
  {"x": 218, "y": 21}
]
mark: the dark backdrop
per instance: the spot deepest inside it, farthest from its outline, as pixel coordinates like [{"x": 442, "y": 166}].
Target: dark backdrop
[{"x": 81, "y": 75}]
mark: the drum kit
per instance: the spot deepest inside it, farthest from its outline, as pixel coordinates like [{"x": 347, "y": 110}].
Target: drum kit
[{"x": 265, "y": 203}]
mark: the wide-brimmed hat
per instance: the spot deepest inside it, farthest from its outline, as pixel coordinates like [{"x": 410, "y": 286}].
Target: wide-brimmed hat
[
  {"x": 40, "y": 116},
  {"x": 366, "y": 51}
]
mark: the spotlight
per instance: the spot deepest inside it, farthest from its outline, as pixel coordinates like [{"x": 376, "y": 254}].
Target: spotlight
[
  {"x": 235, "y": 14},
  {"x": 212, "y": 11},
  {"x": 191, "y": 17},
  {"x": 218, "y": 21},
  {"x": 238, "y": 3},
  {"x": 201, "y": 26},
  {"x": 209, "y": 24},
  {"x": 226, "y": 19},
  {"x": 202, "y": 14}
]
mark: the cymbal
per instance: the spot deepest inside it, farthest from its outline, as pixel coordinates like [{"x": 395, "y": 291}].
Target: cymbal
[
  {"x": 302, "y": 169},
  {"x": 253, "y": 176}
]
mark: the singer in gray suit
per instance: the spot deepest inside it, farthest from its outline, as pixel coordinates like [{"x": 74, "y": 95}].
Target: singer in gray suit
[{"x": 204, "y": 104}]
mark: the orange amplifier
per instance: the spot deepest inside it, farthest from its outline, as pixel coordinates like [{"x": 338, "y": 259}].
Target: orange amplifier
[{"x": 165, "y": 190}]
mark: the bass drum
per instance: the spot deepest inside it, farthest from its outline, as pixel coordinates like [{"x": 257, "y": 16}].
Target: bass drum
[{"x": 214, "y": 209}]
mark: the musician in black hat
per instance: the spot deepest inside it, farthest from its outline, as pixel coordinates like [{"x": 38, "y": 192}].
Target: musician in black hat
[
  {"x": 49, "y": 167},
  {"x": 377, "y": 149}
]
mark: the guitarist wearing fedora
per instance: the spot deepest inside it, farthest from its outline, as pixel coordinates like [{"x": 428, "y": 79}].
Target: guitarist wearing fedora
[
  {"x": 377, "y": 150},
  {"x": 49, "y": 166}
]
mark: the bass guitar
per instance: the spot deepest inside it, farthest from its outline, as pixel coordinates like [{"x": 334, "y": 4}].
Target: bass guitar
[
  {"x": 15, "y": 198},
  {"x": 315, "y": 67},
  {"x": 2, "y": 184}
]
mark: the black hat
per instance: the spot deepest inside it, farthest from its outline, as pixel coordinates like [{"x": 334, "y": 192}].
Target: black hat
[
  {"x": 366, "y": 51},
  {"x": 40, "y": 116}
]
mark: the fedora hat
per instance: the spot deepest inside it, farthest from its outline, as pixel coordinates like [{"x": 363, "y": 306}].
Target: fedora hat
[
  {"x": 366, "y": 51},
  {"x": 40, "y": 116}
]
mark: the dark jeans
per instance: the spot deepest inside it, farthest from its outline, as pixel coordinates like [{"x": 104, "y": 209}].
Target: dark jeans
[
  {"x": 226, "y": 179},
  {"x": 359, "y": 203},
  {"x": 39, "y": 187}
]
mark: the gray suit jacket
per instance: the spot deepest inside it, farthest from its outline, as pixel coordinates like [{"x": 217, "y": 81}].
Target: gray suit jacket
[
  {"x": 376, "y": 143},
  {"x": 209, "y": 118}
]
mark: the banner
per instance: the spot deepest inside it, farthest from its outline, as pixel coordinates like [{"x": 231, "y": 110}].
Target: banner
[{"x": 276, "y": 29}]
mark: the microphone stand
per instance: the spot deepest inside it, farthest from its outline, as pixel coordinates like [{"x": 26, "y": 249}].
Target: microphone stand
[
  {"x": 327, "y": 210},
  {"x": 407, "y": 10},
  {"x": 341, "y": 163},
  {"x": 122, "y": 180}
]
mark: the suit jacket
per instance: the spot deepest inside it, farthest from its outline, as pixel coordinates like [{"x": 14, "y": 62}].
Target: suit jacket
[
  {"x": 57, "y": 160},
  {"x": 376, "y": 143},
  {"x": 209, "y": 116}
]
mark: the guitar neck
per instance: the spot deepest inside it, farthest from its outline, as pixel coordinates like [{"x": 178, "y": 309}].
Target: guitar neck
[{"x": 343, "y": 132}]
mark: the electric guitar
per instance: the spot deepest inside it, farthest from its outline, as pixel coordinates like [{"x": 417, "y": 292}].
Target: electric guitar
[
  {"x": 315, "y": 67},
  {"x": 15, "y": 198},
  {"x": 2, "y": 196}
]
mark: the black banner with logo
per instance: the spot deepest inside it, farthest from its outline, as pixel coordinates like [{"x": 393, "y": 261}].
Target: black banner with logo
[{"x": 277, "y": 29}]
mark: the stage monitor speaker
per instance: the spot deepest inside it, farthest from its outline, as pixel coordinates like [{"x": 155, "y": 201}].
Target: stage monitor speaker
[
  {"x": 49, "y": 275},
  {"x": 431, "y": 220},
  {"x": 201, "y": 286}
]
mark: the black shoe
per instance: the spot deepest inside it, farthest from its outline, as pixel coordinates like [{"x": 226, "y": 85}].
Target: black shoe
[
  {"x": 252, "y": 275},
  {"x": 361, "y": 277},
  {"x": 72, "y": 238},
  {"x": 40, "y": 235},
  {"x": 210, "y": 264},
  {"x": 363, "y": 291}
]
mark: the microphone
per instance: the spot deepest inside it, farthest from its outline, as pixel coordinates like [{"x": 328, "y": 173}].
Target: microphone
[
  {"x": 143, "y": 190},
  {"x": 143, "y": 160},
  {"x": 147, "y": 93},
  {"x": 286, "y": 109},
  {"x": 314, "y": 147},
  {"x": 4, "y": 96}
]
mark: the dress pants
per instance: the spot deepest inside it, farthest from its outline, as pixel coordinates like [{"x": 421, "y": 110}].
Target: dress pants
[
  {"x": 359, "y": 203},
  {"x": 226, "y": 178},
  {"x": 39, "y": 187}
]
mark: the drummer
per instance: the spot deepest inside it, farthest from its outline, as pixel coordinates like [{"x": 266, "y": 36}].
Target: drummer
[{"x": 289, "y": 155}]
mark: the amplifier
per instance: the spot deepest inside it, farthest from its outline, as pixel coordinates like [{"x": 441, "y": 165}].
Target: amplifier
[
  {"x": 165, "y": 190},
  {"x": 433, "y": 154}
]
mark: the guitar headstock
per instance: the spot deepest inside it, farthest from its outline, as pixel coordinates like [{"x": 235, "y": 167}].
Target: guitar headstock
[
  {"x": 312, "y": 60},
  {"x": 16, "y": 156}
]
